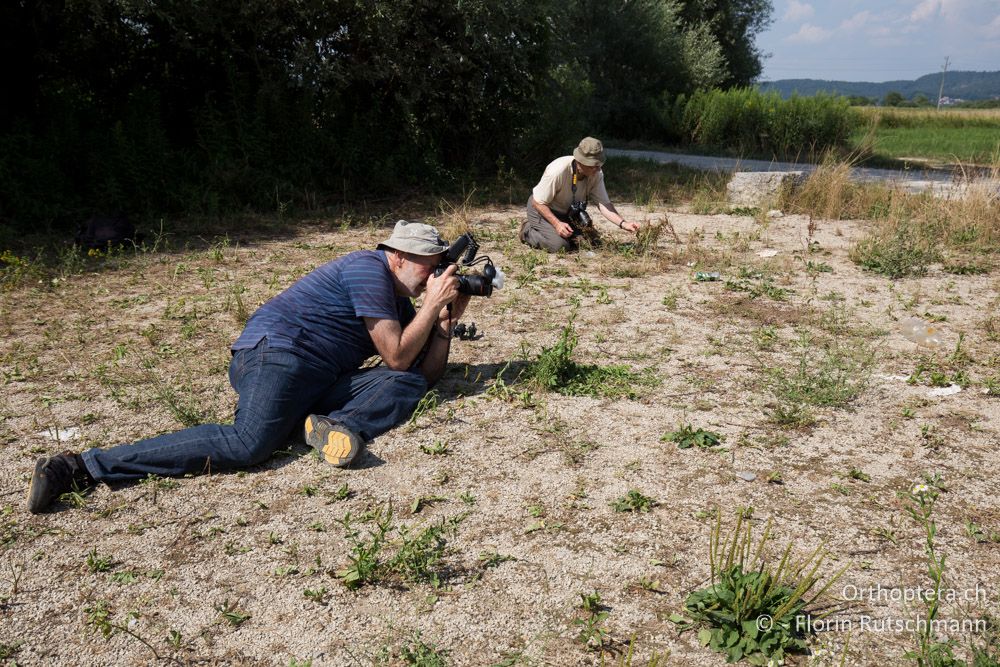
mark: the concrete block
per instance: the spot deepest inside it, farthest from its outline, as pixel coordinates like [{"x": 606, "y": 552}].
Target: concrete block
[{"x": 760, "y": 188}]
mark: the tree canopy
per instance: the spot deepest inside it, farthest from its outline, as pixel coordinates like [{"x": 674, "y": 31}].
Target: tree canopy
[{"x": 163, "y": 105}]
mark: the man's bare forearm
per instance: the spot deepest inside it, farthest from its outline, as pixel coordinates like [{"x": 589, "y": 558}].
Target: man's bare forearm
[
  {"x": 399, "y": 347},
  {"x": 436, "y": 358},
  {"x": 414, "y": 337},
  {"x": 546, "y": 212}
]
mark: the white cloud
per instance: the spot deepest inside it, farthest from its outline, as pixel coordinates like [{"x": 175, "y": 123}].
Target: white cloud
[
  {"x": 859, "y": 20},
  {"x": 798, "y": 11},
  {"x": 956, "y": 9},
  {"x": 958, "y": 17},
  {"x": 925, "y": 10},
  {"x": 810, "y": 34},
  {"x": 992, "y": 30}
]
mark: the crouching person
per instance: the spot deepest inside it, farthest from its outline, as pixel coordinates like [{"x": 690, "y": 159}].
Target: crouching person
[
  {"x": 557, "y": 208},
  {"x": 297, "y": 367}
]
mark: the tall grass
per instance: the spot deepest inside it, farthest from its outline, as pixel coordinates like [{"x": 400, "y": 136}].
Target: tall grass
[
  {"x": 931, "y": 118},
  {"x": 755, "y": 123},
  {"x": 966, "y": 135},
  {"x": 912, "y": 231}
]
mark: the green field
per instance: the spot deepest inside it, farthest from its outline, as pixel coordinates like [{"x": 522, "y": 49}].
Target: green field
[{"x": 967, "y": 136}]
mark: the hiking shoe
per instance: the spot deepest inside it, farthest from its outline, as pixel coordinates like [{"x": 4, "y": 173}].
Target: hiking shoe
[
  {"x": 338, "y": 445},
  {"x": 54, "y": 476}
]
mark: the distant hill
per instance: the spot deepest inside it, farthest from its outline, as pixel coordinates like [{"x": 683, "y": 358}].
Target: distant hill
[{"x": 964, "y": 85}]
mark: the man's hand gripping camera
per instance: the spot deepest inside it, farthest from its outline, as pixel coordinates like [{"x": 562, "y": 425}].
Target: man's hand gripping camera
[
  {"x": 463, "y": 253},
  {"x": 580, "y": 220}
]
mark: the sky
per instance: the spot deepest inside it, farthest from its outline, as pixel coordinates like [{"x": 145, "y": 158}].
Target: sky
[{"x": 879, "y": 40}]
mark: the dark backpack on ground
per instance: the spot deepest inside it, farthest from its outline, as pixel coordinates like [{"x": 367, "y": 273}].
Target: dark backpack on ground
[{"x": 102, "y": 231}]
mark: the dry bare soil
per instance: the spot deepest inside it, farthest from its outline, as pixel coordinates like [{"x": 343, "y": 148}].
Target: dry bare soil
[{"x": 241, "y": 567}]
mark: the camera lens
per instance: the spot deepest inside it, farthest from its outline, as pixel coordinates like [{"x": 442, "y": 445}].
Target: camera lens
[{"x": 475, "y": 285}]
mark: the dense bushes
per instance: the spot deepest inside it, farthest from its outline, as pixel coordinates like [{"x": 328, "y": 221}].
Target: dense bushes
[
  {"x": 754, "y": 123},
  {"x": 168, "y": 106}
]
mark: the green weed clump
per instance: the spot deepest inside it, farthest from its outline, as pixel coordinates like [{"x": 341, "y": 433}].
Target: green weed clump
[
  {"x": 754, "y": 610},
  {"x": 687, "y": 437},
  {"x": 185, "y": 407},
  {"x": 634, "y": 501},
  {"x": 934, "y": 371},
  {"x": 827, "y": 375},
  {"x": 931, "y": 650},
  {"x": 895, "y": 251},
  {"x": 555, "y": 370},
  {"x": 413, "y": 557},
  {"x": 757, "y": 285},
  {"x": 592, "y": 632},
  {"x": 421, "y": 654},
  {"x": 99, "y": 618}
]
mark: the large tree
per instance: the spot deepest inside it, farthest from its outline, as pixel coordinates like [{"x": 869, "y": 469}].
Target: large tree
[
  {"x": 631, "y": 59},
  {"x": 735, "y": 25},
  {"x": 631, "y": 56}
]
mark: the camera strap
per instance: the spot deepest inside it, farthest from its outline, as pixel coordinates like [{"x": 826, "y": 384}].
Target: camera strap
[{"x": 573, "y": 184}]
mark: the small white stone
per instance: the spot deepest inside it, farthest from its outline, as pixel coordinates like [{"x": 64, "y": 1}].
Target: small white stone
[
  {"x": 775, "y": 213},
  {"x": 746, "y": 476},
  {"x": 767, "y": 252},
  {"x": 60, "y": 434},
  {"x": 883, "y": 376},
  {"x": 945, "y": 391}
]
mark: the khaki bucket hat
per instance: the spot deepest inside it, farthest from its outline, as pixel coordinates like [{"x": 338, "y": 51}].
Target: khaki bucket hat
[
  {"x": 590, "y": 152},
  {"x": 415, "y": 238}
]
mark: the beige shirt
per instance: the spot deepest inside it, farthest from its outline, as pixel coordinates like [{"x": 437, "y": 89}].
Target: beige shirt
[{"x": 555, "y": 190}]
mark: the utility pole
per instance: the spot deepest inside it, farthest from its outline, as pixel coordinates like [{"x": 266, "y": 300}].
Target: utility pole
[{"x": 944, "y": 70}]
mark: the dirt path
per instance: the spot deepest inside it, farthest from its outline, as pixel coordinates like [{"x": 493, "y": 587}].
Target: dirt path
[
  {"x": 938, "y": 181},
  {"x": 241, "y": 568}
]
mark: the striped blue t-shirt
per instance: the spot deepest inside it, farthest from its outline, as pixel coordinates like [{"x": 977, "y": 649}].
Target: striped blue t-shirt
[{"x": 320, "y": 316}]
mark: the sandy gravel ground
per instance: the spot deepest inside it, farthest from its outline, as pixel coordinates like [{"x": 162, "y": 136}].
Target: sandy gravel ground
[{"x": 240, "y": 567}]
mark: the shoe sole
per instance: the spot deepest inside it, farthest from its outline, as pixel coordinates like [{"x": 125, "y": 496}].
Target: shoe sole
[
  {"x": 338, "y": 448},
  {"x": 40, "y": 465}
]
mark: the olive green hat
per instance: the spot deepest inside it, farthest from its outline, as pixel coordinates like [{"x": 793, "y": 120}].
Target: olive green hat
[
  {"x": 590, "y": 152},
  {"x": 416, "y": 238}
]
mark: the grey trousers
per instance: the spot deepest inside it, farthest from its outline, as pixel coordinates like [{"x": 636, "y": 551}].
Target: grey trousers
[{"x": 538, "y": 233}]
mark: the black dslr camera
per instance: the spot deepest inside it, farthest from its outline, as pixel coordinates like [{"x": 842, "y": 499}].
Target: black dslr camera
[
  {"x": 463, "y": 253},
  {"x": 579, "y": 219}
]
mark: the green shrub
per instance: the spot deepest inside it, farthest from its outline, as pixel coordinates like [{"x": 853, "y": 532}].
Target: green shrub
[{"x": 749, "y": 122}]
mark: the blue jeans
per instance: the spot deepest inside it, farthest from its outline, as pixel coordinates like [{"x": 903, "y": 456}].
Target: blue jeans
[{"x": 277, "y": 391}]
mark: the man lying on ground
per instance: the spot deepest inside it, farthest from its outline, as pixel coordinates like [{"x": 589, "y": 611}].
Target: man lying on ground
[{"x": 297, "y": 366}]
